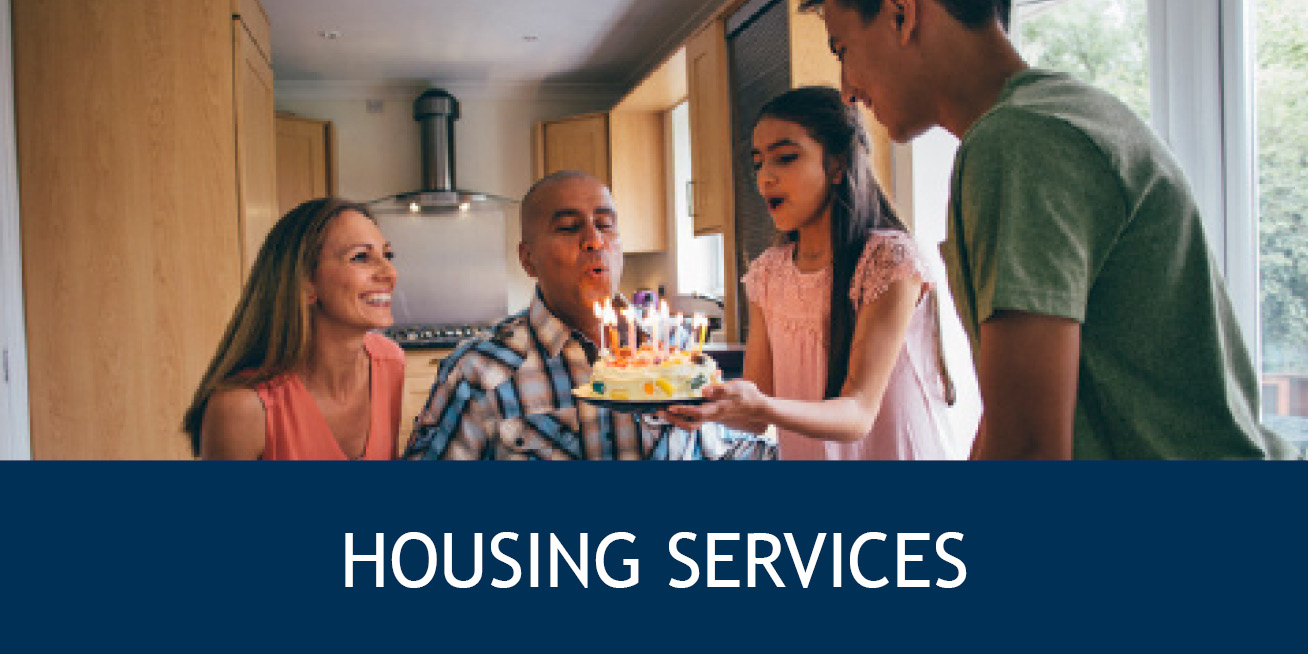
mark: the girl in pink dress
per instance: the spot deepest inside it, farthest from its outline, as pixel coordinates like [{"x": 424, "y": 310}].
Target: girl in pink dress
[{"x": 843, "y": 353}]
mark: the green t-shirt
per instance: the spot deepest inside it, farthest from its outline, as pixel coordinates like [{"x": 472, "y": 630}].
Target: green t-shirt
[{"x": 1063, "y": 203}]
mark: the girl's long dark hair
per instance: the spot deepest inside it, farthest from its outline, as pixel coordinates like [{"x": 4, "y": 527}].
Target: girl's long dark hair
[{"x": 857, "y": 203}]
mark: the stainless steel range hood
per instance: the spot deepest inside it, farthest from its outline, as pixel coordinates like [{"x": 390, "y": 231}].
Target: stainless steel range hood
[{"x": 436, "y": 110}]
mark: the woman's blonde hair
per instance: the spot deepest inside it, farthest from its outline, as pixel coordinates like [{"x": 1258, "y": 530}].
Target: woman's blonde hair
[{"x": 271, "y": 329}]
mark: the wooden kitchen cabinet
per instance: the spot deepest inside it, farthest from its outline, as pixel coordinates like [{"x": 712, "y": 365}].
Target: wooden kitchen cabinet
[
  {"x": 306, "y": 160},
  {"x": 710, "y": 129},
  {"x": 624, "y": 149},
  {"x": 256, "y": 140},
  {"x": 712, "y": 201},
  {"x": 420, "y": 368},
  {"x": 145, "y": 136},
  {"x": 812, "y": 63},
  {"x": 576, "y": 143}
]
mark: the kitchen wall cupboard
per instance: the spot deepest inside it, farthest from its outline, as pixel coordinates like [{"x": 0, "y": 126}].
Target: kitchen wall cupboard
[
  {"x": 710, "y": 128},
  {"x": 812, "y": 63},
  {"x": 574, "y": 143},
  {"x": 145, "y": 145},
  {"x": 710, "y": 135},
  {"x": 625, "y": 149},
  {"x": 256, "y": 140},
  {"x": 306, "y": 160}
]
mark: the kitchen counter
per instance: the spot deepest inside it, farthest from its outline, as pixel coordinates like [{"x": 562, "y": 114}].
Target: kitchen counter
[{"x": 730, "y": 358}]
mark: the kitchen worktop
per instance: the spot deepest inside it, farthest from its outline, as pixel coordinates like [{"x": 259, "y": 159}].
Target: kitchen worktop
[{"x": 730, "y": 356}]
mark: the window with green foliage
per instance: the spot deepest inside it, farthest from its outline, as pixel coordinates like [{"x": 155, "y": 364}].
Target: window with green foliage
[
  {"x": 1281, "y": 79},
  {"x": 1101, "y": 42}
]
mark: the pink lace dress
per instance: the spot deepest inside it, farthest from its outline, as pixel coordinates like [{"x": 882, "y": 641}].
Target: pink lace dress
[{"x": 912, "y": 422}]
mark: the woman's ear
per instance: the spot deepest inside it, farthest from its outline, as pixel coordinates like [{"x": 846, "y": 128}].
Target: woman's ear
[{"x": 308, "y": 293}]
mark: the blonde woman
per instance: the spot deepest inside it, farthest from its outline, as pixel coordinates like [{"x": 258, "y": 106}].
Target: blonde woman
[{"x": 299, "y": 373}]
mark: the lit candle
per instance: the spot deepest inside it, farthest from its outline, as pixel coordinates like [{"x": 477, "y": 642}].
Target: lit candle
[
  {"x": 630, "y": 314},
  {"x": 651, "y": 323},
  {"x": 599, "y": 313},
  {"x": 610, "y": 321},
  {"x": 674, "y": 337},
  {"x": 663, "y": 320},
  {"x": 701, "y": 323},
  {"x": 654, "y": 320}
]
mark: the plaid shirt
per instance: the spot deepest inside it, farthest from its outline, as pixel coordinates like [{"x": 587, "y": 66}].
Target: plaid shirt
[{"x": 509, "y": 396}]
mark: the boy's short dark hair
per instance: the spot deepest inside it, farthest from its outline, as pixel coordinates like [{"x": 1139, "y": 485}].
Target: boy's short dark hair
[{"x": 972, "y": 13}]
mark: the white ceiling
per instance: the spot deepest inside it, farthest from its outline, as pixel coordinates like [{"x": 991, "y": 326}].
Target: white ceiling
[{"x": 601, "y": 42}]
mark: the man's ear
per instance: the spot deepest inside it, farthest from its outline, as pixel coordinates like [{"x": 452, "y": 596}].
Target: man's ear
[{"x": 524, "y": 257}]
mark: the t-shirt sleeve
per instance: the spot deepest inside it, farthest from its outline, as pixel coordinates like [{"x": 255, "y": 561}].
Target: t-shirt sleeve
[
  {"x": 1039, "y": 204},
  {"x": 888, "y": 257}
]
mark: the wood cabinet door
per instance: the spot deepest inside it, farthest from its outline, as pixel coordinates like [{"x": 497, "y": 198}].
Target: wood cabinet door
[
  {"x": 128, "y": 209},
  {"x": 256, "y": 142},
  {"x": 710, "y": 129},
  {"x": 637, "y": 161},
  {"x": 306, "y": 162},
  {"x": 579, "y": 143},
  {"x": 713, "y": 204}
]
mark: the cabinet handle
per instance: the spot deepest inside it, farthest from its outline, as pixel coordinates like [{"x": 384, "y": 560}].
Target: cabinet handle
[{"x": 690, "y": 198}]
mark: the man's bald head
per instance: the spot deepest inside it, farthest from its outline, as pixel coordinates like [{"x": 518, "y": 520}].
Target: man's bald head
[{"x": 533, "y": 212}]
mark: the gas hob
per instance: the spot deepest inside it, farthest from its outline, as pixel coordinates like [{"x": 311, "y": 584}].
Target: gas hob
[{"x": 412, "y": 337}]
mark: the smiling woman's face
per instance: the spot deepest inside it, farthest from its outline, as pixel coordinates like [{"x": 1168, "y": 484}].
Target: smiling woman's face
[{"x": 353, "y": 283}]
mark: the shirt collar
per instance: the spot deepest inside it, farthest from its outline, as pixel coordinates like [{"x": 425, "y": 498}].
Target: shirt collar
[{"x": 553, "y": 332}]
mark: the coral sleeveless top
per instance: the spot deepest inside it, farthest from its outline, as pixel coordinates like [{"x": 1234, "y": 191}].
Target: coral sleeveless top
[{"x": 297, "y": 430}]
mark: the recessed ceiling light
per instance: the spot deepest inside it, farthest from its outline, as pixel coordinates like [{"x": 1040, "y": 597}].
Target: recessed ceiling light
[{"x": 330, "y": 35}]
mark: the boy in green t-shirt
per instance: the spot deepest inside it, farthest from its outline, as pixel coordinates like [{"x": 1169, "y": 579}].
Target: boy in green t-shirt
[{"x": 1099, "y": 324}]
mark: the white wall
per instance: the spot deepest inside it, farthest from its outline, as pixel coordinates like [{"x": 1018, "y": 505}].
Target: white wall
[{"x": 379, "y": 152}]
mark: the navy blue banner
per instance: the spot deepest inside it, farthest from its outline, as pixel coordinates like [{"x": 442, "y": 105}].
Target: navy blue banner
[{"x": 653, "y": 556}]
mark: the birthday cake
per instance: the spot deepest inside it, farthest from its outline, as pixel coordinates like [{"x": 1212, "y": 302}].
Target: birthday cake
[
  {"x": 649, "y": 374},
  {"x": 669, "y": 365}
]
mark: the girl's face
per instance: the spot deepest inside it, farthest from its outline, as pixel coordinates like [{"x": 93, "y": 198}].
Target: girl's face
[
  {"x": 791, "y": 172},
  {"x": 353, "y": 283}
]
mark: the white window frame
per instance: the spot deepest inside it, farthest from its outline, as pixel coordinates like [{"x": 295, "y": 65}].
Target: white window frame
[
  {"x": 15, "y": 424},
  {"x": 1201, "y": 89}
]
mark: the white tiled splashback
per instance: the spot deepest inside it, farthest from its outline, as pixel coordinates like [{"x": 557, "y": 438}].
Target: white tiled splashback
[{"x": 450, "y": 267}]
